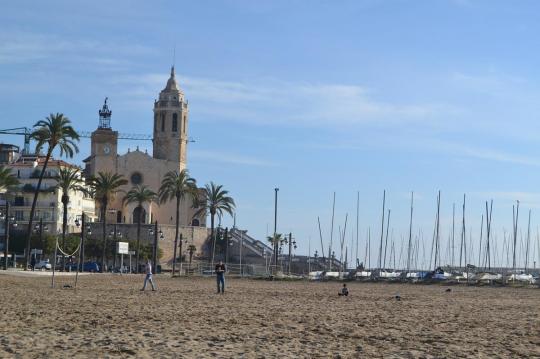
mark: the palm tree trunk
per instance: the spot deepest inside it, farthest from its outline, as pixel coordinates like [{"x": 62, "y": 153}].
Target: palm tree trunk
[
  {"x": 138, "y": 238},
  {"x": 104, "y": 223},
  {"x": 176, "y": 237},
  {"x": 33, "y": 209},
  {"x": 213, "y": 240},
  {"x": 65, "y": 200}
]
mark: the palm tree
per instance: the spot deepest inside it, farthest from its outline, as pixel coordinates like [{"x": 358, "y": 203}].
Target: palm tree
[
  {"x": 274, "y": 241},
  {"x": 177, "y": 185},
  {"x": 7, "y": 180},
  {"x": 104, "y": 188},
  {"x": 68, "y": 180},
  {"x": 140, "y": 195},
  {"x": 54, "y": 131},
  {"x": 215, "y": 201}
]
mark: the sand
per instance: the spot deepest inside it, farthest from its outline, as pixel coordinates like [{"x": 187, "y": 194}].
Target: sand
[{"x": 108, "y": 317}]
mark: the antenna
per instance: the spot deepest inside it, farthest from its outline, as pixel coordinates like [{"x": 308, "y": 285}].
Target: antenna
[{"x": 174, "y": 55}]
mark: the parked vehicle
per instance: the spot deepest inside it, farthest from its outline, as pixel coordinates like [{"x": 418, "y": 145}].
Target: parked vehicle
[
  {"x": 44, "y": 264},
  {"x": 91, "y": 267}
]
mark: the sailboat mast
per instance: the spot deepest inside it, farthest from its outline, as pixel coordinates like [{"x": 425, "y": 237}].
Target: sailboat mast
[
  {"x": 331, "y": 234},
  {"x": 379, "y": 263},
  {"x": 410, "y": 235},
  {"x": 357, "y": 223}
]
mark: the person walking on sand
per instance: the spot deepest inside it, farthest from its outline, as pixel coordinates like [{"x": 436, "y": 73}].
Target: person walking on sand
[
  {"x": 148, "y": 278},
  {"x": 220, "y": 277}
]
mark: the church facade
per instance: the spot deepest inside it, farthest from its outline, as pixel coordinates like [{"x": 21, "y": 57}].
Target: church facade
[{"x": 170, "y": 139}]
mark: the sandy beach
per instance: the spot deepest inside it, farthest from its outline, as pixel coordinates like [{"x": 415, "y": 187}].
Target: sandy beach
[{"x": 109, "y": 317}]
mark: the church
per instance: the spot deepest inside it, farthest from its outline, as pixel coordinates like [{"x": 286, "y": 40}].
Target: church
[{"x": 170, "y": 139}]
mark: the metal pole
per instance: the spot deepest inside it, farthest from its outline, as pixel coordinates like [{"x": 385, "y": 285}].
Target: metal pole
[
  {"x": 275, "y": 228},
  {"x": 290, "y": 247},
  {"x": 83, "y": 229},
  {"x": 155, "y": 256},
  {"x": 181, "y": 242},
  {"x": 54, "y": 259},
  {"x": 242, "y": 245},
  {"x": 81, "y": 249},
  {"x": 6, "y": 238}
]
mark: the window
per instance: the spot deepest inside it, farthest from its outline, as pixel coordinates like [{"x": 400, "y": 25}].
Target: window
[
  {"x": 19, "y": 201},
  {"x": 184, "y": 125},
  {"x": 175, "y": 122},
  {"x": 136, "y": 178},
  {"x": 195, "y": 222},
  {"x": 19, "y": 215},
  {"x": 162, "y": 122}
]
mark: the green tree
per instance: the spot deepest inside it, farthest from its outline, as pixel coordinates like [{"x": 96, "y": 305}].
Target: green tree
[
  {"x": 68, "y": 180},
  {"x": 55, "y": 132},
  {"x": 7, "y": 180},
  {"x": 215, "y": 201},
  {"x": 140, "y": 195},
  {"x": 104, "y": 188},
  {"x": 177, "y": 185}
]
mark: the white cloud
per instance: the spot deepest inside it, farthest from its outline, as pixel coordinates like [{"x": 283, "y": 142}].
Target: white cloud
[
  {"x": 267, "y": 101},
  {"x": 229, "y": 158}
]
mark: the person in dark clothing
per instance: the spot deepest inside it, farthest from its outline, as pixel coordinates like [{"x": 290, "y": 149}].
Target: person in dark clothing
[
  {"x": 344, "y": 291},
  {"x": 33, "y": 263},
  {"x": 220, "y": 277}
]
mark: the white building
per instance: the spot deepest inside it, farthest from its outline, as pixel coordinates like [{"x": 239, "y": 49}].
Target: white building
[{"x": 49, "y": 205}]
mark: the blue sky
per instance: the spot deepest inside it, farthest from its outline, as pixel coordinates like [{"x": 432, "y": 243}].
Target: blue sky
[{"x": 308, "y": 96}]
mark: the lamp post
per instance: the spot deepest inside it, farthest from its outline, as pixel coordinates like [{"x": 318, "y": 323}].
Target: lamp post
[
  {"x": 39, "y": 228},
  {"x": 7, "y": 218},
  {"x": 182, "y": 241},
  {"x": 88, "y": 230},
  {"x": 156, "y": 233},
  {"x": 275, "y": 227},
  {"x": 291, "y": 244},
  {"x": 115, "y": 234}
]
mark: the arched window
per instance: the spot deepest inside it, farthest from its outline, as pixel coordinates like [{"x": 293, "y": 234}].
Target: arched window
[
  {"x": 195, "y": 222},
  {"x": 162, "y": 122},
  {"x": 174, "y": 122}
]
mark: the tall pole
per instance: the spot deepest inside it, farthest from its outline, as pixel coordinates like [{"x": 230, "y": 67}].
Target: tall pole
[
  {"x": 241, "y": 247},
  {"x": 309, "y": 254},
  {"x": 527, "y": 244},
  {"x": 114, "y": 247},
  {"x": 41, "y": 233},
  {"x": 83, "y": 231},
  {"x": 410, "y": 236},
  {"x": 386, "y": 241},
  {"x": 275, "y": 229},
  {"x": 516, "y": 217},
  {"x": 357, "y": 221},
  {"x": 6, "y": 238},
  {"x": 181, "y": 243},
  {"x": 382, "y": 232},
  {"x": 81, "y": 251},
  {"x": 155, "y": 254},
  {"x": 332, "y": 232},
  {"x": 290, "y": 247},
  {"x": 453, "y": 231}
]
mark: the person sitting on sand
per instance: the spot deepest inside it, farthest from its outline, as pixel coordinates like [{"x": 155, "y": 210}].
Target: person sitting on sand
[
  {"x": 344, "y": 291},
  {"x": 148, "y": 278},
  {"x": 220, "y": 277}
]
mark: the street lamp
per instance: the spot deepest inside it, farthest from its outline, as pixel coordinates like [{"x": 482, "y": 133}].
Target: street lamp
[
  {"x": 7, "y": 218},
  {"x": 38, "y": 229}
]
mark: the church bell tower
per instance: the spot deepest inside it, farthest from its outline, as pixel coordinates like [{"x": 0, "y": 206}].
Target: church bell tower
[
  {"x": 170, "y": 124},
  {"x": 104, "y": 145}
]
